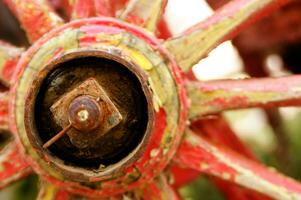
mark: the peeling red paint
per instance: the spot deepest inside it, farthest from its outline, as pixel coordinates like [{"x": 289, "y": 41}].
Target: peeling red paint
[
  {"x": 148, "y": 166},
  {"x": 228, "y": 165},
  {"x": 37, "y": 18},
  {"x": 4, "y": 115},
  {"x": 215, "y": 96},
  {"x": 13, "y": 166}
]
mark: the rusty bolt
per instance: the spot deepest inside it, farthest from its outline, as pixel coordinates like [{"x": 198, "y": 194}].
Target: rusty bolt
[
  {"x": 85, "y": 109},
  {"x": 85, "y": 114}
]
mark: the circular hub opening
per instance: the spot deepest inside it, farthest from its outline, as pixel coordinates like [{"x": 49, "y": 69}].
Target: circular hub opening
[
  {"x": 112, "y": 94},
  {"x": 100, "y": 106}
]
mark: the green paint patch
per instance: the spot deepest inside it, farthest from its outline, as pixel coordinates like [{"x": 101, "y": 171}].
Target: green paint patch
[
  {"x": 26, "y": 189},
  {"x": 201, "y": 188},
  {"x": 132, "y": 177}
]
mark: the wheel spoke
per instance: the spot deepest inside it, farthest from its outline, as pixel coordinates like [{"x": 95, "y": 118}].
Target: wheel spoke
[
  {"x": 82, "y": 9},
  {"x": 215, "y": 96},
  {"x": 117, "y": 5},
  {"x": 235, "y": 192},
  {"x": 35, "y": 16},
  {"x": 253, "y": 62},
  {"x": 79, "y": 9},
  {"x": 104, "y": 8},
  {"x": 212, "y": 127},
  {"x": 13, "y": 165},
  {"x": 144, "y": 13},
  {"x": 182, "y": 176},
  {"x": 4, "y": 99},
  {"x": 199, "y": 154},
  {"x": 9, "y": 56},
  {"x": 198, "y": 41},
  {"x": 159, "y": 189},
  {"x": 163, "y": 30}
]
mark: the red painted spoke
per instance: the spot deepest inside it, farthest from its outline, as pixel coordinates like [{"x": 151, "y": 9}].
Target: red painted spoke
[
  {"x": 199, "y": 154},
  {"x": 144, "y": 13},
  {"x": 4, "y": 99},
  {"x": 197, "y": 42},
  {"x": 117, "y": 5},
  {"x": 13, "y": 165},
  {"x": 163, "y": 30},
  {"x": 216, "y": 96},
  {"x": 79, "y": 9},
  {"x": 159, "y": 190},
  {"x": 211, "y": 128},
  {"x": 104, "y": 8},
  {"x": 182, "y": 176},
  {"x": 82, "y": 9},
  {"x": 9, "y": 56},
  {"x": 235, "y": 192},
  {"x": 35, "y": 16}
]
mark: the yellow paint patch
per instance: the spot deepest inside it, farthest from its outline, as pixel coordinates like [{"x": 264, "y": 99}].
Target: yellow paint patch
[
  {"x": 189, "y": 49},
  {"x": 67, "y": 40},
  {"x": 133, "y": 49},
  {"x": 156, "y": 99},
  {"x": 204, "y": 166},
  {"x": 138, "y": 58},
  {"x": 226, "y": 176},
  {"x": 154, "y": 153},
  {"x": 49, "y": 192},
  {"x": 107, "y": 40},
  {"x": 2, "y": 59}
]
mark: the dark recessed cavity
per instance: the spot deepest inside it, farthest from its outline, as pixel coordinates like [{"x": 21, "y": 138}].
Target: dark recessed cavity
[{"x": 124, "y": 89}]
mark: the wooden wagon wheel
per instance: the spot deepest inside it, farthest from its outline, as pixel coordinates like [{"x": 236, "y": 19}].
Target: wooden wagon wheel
[{"x": 100, "y": 107}]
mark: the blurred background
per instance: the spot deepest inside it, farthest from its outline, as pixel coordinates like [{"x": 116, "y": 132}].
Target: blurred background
[{"x": 274, "y": 135}]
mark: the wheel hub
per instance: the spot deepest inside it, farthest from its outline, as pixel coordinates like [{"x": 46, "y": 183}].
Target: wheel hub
[
  {"x": 97, "y": 92},
  {"x": 105, "y": 123}
]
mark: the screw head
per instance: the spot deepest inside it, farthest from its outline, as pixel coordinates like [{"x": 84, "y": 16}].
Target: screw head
[{"x": 85, "y": 114}]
